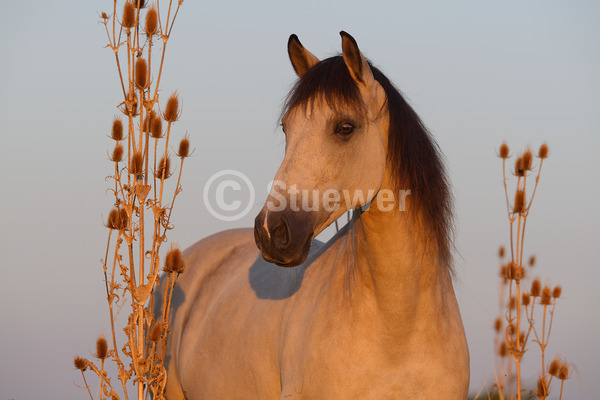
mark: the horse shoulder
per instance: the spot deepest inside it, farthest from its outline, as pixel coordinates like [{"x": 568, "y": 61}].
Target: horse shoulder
[{"x": 206, "y": 262}]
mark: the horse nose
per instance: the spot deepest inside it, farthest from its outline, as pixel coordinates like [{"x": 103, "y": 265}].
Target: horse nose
[{"x": 274, "y": 234}]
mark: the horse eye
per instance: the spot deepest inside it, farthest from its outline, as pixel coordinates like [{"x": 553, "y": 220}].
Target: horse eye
[{"x": 344, "y": 130}]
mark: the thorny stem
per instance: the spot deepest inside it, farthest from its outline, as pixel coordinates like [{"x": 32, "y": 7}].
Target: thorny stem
[
  {"x": 102, "y": 375},
  {"x": 120, "y": 73},
  {"x": 155, "y": 148},
  {"x": 101, "y": 380},
  {"x": 104, "y": 266},
  {"x": 517, "y": 252},
  {"x": 517, "y": 353},
  {"x": 149, "y": 64},
  {"x": 174, "y": 16},
  {"x": 86, "y": 385},
  {"x": 162, "y": 59},
  {"x": 138, "y": 346},
  {"x": 551, "y": 319},
  {"x": 543, "y": 342},
  {"x": 537, "y": 179},
  {"x": 140, "y": 305},
  {"x": 562, "y": 383},
  {"x": 168, "y": 16},
  {"x": 114, "y": 20},
  {"x": 176, "y": 191}
]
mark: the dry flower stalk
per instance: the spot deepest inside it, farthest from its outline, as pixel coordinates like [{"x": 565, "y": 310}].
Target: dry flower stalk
[
  {"x": 515, "y": 303},
  {"x": 131, "y": 272}
]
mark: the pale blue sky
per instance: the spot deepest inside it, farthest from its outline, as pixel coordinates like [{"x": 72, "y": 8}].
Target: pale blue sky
[{"x": 477, "y": 73}]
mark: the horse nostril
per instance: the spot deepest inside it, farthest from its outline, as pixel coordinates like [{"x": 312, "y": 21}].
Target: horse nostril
[
  {"x": 281, "y": 235},
  {"x": 258, "y": 222}
]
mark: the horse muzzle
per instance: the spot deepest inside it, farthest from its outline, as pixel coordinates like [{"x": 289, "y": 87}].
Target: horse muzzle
[{"x": 284, "y": 237}]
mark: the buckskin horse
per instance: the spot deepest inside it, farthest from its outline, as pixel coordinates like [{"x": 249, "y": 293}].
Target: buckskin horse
[{"x": 271, "y": 313}]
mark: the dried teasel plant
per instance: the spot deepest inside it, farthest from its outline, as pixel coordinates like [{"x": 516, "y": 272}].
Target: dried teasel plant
[
  {"x": 143, "y": 203},
  {"x": 516, "y": 324}
]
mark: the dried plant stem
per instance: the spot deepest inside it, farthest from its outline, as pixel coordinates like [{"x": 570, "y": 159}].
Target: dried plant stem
[
  {"x": 562, "y": 384},
  {"x": 174, "y": 16},
  {"x": 133, "y": 194},
  {"x": 160, "y": 68},
  {"x": 176, "y": 192},
  {"x": 543, "y": 342},
  {"x": 102, "y": 380},
  {"x": 162, "y": 178},
  {"x": 514, "y": 272},
  {"x": 537, "y": 180},
  {"x": 86, "y": 385}
]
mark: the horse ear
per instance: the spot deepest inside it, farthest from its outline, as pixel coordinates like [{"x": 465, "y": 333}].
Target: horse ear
[
  {"x": 355, "y": 61},
  {"x": 302, "y": 59}
]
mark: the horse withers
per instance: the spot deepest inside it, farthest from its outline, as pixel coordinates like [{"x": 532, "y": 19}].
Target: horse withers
[{"x": 372, "y": 313}]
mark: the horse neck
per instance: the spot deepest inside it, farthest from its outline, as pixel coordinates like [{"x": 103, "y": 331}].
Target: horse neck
[{"x": 397, "y": 265}]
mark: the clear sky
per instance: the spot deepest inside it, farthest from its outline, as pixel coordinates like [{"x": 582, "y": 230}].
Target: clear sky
[{"x": 478, "y": 73}]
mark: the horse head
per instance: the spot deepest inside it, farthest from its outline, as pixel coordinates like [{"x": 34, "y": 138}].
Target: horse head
[{"x": 335, "y": 127}]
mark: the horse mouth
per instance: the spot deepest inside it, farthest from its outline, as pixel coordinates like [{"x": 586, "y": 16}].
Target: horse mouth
[
  {"x": 286, "y": 263},
  {"x": 285, "y": 240}
]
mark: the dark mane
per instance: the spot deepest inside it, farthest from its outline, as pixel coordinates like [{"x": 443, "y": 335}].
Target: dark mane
[{"x": 413, "y": 155}]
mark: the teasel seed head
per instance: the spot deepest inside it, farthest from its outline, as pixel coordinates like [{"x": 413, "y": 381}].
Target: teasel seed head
[
  {"x": 171, "y": 113},
  {"x": 164, "y": 168},
  {"x": 139, "y": 3},
  {"x": 557, "y": 292},
  {"x": 501, "y": 252},
  {"x": 80, "y": 363},
  {"x": 136, "y": 164},
  {"x": 117, "y": 219},
  {"x": 526, "y": 299},
  {"x": 141, "y": 73},
  {"x": 504, "y": 271},
  {"x": 519, "y": 201},
  {"x": 509, "y": 272},
  {"x": 184, "y": 147},
  {"x": 113, "y": 219},
  {"x": 510, "y": 329},
  {"x": 503, "y": 351},
  {"x": 542, "y": 387},
  {"x": 156, "y": 332},
  {"x": 174, "y": 260},
  {"x": 563, "y": 372},
  {"x": 527, "y": 158},
  {"x": 543, "y": 152},
  {"x": 156, "y": 128},
  {"x": 504, "y": 151},
  {"x": 123, "y": 221},
  {"x": 104, "y": 16},
  {"x": 519, "y": 170},
  {"x": 554, "y": 367},
  {"x": 101, "y": 348},
  {"x": 117, "y": 155},
  {"x": 532, "y": 260},
  {"x": 130, "y": 105},
  {"x": 128, "y": 20},
  {"x": 536, "y": 288},
  {"x": 151, "y": 21},
  {"x": 498, "y": 324},
  {"x": 546, "y": 296},
  {"x": 116, "y": 133}
]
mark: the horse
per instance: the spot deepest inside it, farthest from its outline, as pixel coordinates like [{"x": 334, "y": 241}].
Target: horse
[{"x": 272, "y": 313}]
